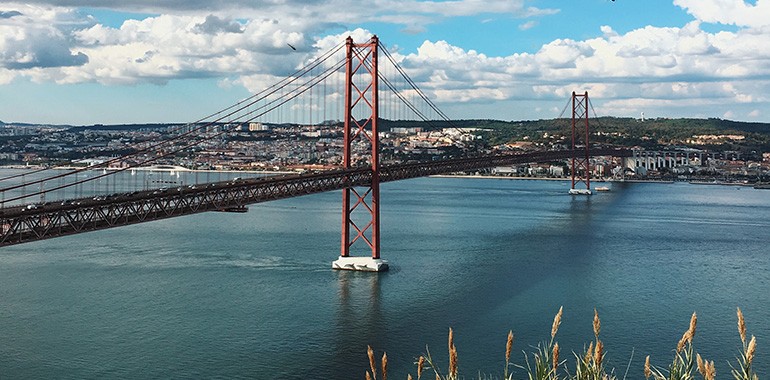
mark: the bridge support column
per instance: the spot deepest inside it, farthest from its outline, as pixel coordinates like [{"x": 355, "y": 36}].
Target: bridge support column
[
  {"x": 361, "y": 206},
  {"x": 580, "y": 164}
]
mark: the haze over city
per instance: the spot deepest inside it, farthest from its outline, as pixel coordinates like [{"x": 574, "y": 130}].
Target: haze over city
[{"x": 85, "y": 61}]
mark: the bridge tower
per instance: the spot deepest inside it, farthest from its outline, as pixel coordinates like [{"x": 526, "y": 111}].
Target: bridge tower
[
  {"x": 361, "y": 206},
  {"x": 580, "y": 164}
]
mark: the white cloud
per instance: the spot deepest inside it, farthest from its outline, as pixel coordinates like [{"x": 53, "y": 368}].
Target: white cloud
[
  {"x": 6, "y": 76},
  {"x": 404, "y": 12},
  {"x": 607, "y": 31},
  {"x": 729, "y": 12},
  {"x": 563, "y": 54},
  {"x": 465, "y": 7},
  {"x": 166, "y": 47},
  {"x": 528, "y": 25},
  {"x": 33, "y": 37},
  {"x": 414, "y": 29},
  {"x": 647, "y": 68}
]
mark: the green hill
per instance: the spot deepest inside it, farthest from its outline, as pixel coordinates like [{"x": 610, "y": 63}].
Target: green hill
[{"x": 651, "y": 133}]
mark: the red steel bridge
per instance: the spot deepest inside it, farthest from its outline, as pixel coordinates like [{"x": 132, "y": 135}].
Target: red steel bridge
[{"x": 25, "y": 216}]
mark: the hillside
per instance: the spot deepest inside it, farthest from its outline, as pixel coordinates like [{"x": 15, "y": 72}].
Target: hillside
[{"x": 652, "y": 133}]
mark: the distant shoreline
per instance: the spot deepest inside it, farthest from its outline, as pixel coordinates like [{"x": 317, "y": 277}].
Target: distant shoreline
[
  {"x": 498, "y": 177},
  {"x": 691, "y": 182}
]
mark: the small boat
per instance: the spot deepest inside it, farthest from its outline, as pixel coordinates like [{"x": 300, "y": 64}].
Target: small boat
[
  {"x": 602, "y": 188},
  {"x": 714, "y": 182}
]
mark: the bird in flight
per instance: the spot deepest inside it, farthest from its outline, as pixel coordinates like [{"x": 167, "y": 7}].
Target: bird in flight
[{"x": 293, "y": 48}]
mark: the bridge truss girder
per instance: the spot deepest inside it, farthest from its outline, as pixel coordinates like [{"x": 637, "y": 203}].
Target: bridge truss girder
[{"x": 20, "y": 225}]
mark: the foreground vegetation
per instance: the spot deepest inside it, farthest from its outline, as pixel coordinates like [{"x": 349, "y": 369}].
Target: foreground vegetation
[{"x": 545, "y": 363}]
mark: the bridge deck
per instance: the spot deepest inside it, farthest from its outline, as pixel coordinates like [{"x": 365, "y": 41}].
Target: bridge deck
[{"x": 28, "y": 223}]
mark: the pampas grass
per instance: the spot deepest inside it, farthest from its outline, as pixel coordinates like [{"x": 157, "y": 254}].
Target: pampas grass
[{"x": 544, "y": 363}]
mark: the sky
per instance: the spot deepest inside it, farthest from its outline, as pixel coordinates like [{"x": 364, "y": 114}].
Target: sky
[{"x": 139, "y": 61}]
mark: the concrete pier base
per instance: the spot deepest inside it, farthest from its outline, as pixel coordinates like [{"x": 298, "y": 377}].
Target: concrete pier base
[
  {"x": 579, "y": 192},
  {"x": 365, "y": 264}
]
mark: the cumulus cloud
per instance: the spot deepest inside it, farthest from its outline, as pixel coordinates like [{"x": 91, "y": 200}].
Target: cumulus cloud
[
  {"x": 404, "y": 12},
  {"x": 31, "y": 37},
  {"x": 647, "y": 68},
  {"x": 199, "y": 38},
  {"x": 215, "y": 25},
  {"x": 6, "y": 76},
  {"x": 729, "y": 12},
  {"x": 166, "y": 47},
  {"x": 246, "y": 43}
]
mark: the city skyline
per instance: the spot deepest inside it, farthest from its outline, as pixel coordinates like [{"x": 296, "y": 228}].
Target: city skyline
[{"x": 136, "y": 61}]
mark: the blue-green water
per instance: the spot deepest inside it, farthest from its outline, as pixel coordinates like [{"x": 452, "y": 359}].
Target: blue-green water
[{"x": 252, "y": 295}]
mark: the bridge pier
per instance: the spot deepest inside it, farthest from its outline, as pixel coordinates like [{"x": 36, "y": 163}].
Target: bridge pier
[{"x": 363, "y": 264}]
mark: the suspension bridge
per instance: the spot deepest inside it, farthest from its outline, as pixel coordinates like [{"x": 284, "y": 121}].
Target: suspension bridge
[{"x": 49, "y": 202}]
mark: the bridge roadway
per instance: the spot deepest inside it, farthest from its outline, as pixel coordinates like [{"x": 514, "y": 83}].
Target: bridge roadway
[{"x": 22, "y": 224}]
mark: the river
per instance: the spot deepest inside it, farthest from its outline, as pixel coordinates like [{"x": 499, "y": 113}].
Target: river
[{"x": 224, "y": 295}]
